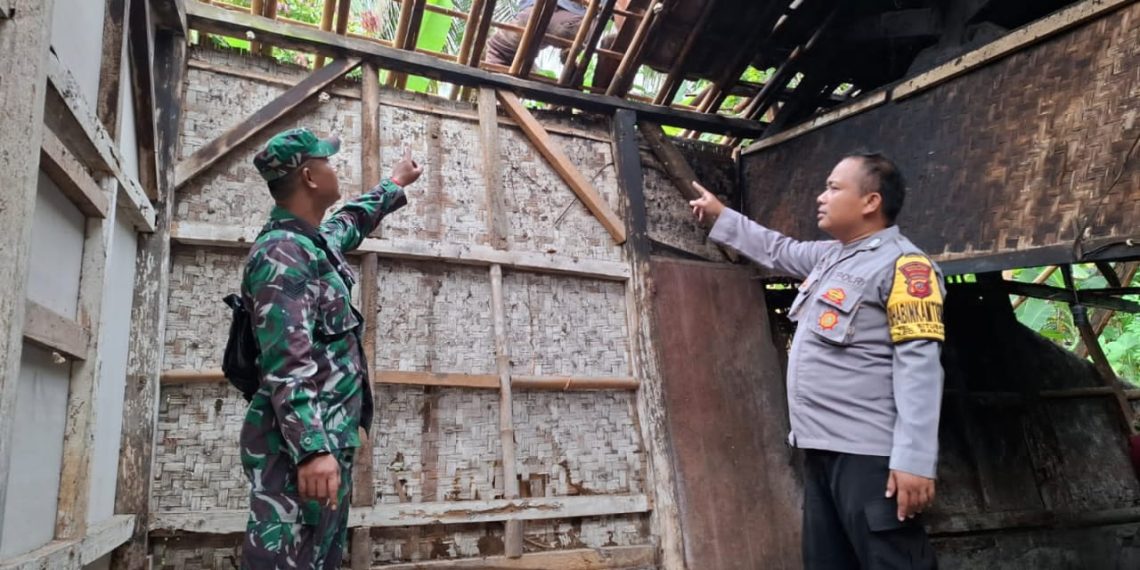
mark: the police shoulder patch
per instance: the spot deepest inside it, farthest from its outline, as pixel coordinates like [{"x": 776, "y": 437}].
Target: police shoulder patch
[{"x": 914, "y": 306}]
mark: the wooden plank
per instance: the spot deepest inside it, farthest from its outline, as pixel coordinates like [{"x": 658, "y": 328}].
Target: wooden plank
[
  {"x": 142, "y": 94},
  {"x": 531, "y": 42},
  {"x": 513, "y": 535},
  {"x": 196, "y": 233},
  {"x": 575, "y": 69},
  {"x": 81, "y": 415},
  {"x": 407, "y": 35},
  {"x": 482, "y": 32},
  {"x": 212, "y": 19},
  {"x": 76, "y": 553},
  {"x": 170, "y": 15},
  {"x": 69, "y": 116},
  {"x": 1102, "y": 298},
  {"x": 24, "y": 41},
  {"x": 1127, "y": 271},
  {"x": 215, "y": 150},
  {"x": 497, "y": 223},
  {"x": 364, "y": 484},
  {"x": 107, "y": 99},
  {"x": 1008, "y": 44},
  {"x": 443, "y": 379},
  {"x": 270, "y": 12},
  {"x": 257, "y": 8},
  {"x": 737, "y": 415},
  {"x": 388, "y": 98},
  {"x": 631, "y": 61},
  {"x": 71, "y": 177},
  {"x": 53, "y": 331},
  {"x": 419, "y": 514},
  {"x": 577, "y": 559},
  {"x": 665, "y": 520},
  {"x": 676, "y": 74},
  {"x": 562, "y": 165},
  {"x": 149, "y": 309},
  {"x": 630, "y": 14},
  {"x": 678, "y": 169}
]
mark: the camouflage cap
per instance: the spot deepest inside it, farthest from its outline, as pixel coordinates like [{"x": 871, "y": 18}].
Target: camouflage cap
[{"x": 287, "y": 150}]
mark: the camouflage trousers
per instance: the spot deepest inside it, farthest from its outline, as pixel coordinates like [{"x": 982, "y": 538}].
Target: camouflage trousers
[{"x": 286, "y": 533}]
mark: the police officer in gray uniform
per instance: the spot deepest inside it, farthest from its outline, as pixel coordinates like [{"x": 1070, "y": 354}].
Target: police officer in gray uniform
[{"x": 864, "y": 378}]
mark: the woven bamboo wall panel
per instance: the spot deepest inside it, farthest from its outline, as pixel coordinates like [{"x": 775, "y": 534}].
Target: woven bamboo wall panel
[
  {"x": 197, "y": 465},
  {"x": 578, "y": 443},
  {"x": 1010, "y": 156},
  {"x": 562, "y": 325},
  {"x": 198, "y": 321},
  {"x": 434, "y": 318},
  {"x": 436, "y": 444}
]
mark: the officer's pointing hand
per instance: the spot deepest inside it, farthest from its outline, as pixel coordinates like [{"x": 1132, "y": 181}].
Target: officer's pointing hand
[
  {"x": 706, "y": 205},
  {"x": 915, "y": 493},
  {"x": 407, "y": 170}
]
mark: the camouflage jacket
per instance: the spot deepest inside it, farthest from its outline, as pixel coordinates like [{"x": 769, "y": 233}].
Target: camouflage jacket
[{"x": 314, "y": 392}]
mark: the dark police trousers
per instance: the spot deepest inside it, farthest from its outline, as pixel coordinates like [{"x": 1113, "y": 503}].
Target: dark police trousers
[{"x": 848, "y": 521}]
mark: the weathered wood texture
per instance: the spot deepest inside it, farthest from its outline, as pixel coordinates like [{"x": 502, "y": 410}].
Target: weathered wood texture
[
  {"x": 727, "y": 415},
  {"x": 149, "y": 310},
  {"x": 1010, "y": 156},
  {"x": 642, "y": 352},
  {"x": 24, "y": 41}
]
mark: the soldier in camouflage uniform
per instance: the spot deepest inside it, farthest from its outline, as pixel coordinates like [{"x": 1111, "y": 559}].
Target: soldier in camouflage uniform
[{"x": 304, "y": 422}]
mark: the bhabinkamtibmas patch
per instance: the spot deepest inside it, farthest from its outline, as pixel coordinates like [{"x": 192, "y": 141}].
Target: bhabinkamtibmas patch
[{"x": 914, "y": 307}]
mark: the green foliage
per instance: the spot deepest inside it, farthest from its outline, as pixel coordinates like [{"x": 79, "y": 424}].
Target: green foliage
[{"x": 1053, "y": 320}]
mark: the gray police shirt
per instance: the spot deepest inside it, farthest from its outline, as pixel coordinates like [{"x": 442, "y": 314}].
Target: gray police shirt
[{"x": 864, "y": 375}]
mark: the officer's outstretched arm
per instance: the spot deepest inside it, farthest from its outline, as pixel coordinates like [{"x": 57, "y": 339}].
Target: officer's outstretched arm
[
  {"x": 758, "y": 243},
  {"x": 284, "y": 287},
  {"x": 349, "y": 225}
]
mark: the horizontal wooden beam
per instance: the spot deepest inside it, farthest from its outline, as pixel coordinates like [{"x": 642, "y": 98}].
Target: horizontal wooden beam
[
  {"x": 215, "y": 150},
  {"x": 48, "y": 329},
  {"x": 71, "y": 177},
  {"x": 445, "y": 379},
  {"x": 197, "y": 233},
  {"x": 212, "y": 19},
  {"x": 100, "y": 540},
  {"x": 1101, "y": 298},
  {"x": 607, "y": 557},
  {"x": 74, "y": 122},
  {"x": 391, "y": 98},
  {"x": 562, "y": 165},
  {"x": 420, "y": 514}
]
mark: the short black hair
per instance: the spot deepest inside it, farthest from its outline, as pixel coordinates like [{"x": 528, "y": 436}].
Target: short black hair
[
  {"x": 283, "y": 187},
  {"x": 887, "y": 179}
]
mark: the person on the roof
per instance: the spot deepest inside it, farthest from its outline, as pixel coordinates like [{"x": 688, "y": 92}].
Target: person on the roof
[{"x": 564, "y": 24}]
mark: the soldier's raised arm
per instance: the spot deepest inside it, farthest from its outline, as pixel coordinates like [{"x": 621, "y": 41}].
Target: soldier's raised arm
[{"x": 349, "y": 225}]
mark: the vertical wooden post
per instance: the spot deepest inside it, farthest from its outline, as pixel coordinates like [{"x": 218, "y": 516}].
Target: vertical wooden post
[
  {"x": 24, "y": 44},
  {"x": 363, "y": 483},
  {"x": 665, "y": 518},
  {"x": 514, "y": 529},
  {"x": 148, "y": 312},
  {"x": 497, "y": 225},
  {"x": 79, "y": 433}
]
